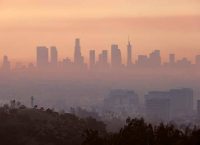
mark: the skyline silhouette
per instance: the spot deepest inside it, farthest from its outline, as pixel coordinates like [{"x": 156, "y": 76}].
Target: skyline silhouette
[
  {"x": 122, "y": 71},
  {"x": 47, "y": 57},
  {"x": 172, "y": 27}
]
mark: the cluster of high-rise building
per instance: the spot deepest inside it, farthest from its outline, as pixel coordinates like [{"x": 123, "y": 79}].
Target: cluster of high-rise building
[
  {"x": 158, "y": 106},
  {"x": 103, "y": 60},
  {"x": 43, "y": 60},
  {"x": 169, "y": 105},
  {"x": 124, "y": 102},
  {"x": 47, "y": 58}
]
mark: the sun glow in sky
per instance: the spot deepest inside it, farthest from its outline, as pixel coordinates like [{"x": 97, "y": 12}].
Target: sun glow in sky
[{"x": 173, "y": 26}]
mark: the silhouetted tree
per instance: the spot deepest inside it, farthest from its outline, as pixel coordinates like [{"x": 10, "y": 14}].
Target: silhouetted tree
[{"x": 32, "y": 126}]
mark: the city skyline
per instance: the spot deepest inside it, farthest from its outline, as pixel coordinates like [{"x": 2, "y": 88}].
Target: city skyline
[
  {"x": 69, "y": 52},
  {"x": 108, "y": 58},
  {"x": 170, "y": 26},
  {"x": 81, "y": 72}
]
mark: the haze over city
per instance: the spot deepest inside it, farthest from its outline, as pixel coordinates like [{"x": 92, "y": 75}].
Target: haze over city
[{"x": 94, "y": 72}]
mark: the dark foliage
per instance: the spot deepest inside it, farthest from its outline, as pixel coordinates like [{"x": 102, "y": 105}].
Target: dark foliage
[
  {"x": 38, "y": 126},
  {"x": 137, "y": 132},
  {"x": 24, "y": 126}
]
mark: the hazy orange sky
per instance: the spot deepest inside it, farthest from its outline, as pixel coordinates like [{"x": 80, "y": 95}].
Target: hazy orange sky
[{"x": 173, "y": 26}]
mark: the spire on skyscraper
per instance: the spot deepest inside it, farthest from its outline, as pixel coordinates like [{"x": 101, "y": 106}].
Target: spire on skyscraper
[{"x": 129, "y": 53}]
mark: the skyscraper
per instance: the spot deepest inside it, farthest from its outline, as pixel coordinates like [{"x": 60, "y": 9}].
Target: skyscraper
[
  {"x": 78, "y": 58},
  {"x": 180, "y": 103},
  {"x": 157, "y": 109},
  {"x": 92, "y": 58},
  {"x": 103, "y": 59},
  {"x": 155, "y": 58},
  {"x": 123, "y": 102},
  {"x": 42, "y": 56},
  {"x": 142, "y": 61},
  {"x": 116, "y": 60},
  {"x": 54, "y": 56},
  {"x": 129, "y": 54}
]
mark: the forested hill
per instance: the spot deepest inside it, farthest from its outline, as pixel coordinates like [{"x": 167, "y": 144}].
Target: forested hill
[
  {"x": 20, "y": 125},
  {"x": 138, "y": 132},
  {"x": 31, "y": 126}
]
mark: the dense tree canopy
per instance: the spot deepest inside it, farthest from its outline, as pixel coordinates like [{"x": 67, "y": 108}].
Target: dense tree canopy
[
  {"x": 137, "y": 132},
  {"x": 31, "y": 126},
  {"x": 38, "y": 126}
]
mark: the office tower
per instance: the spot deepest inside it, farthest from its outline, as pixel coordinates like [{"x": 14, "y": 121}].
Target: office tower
[
  {"x": 122, "y": 102},
  {"x": 78, "y": 58},
  {"x": 6, "y": 64},
  {"x": 42, "y": 56},
  {"x": 116, "y": 60},
  {"x": 197, "y": 60},
  {"x": 172, "y": 59},
  {"x": 92, "y": 58},
  {"x": 157, "y": 106},
  {"x": 103, "y": 59},
  {"x": 129, "y": 54},
  {"x": 157, "y": 109},
  {"x": 155, "y": 59},
  {"x": 142, "y": 60},
  {"x": 180, "y": 103},
  {"x": 54, "y": 56}
]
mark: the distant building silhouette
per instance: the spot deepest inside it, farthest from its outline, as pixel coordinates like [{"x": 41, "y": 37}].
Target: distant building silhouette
[
  {"x": 171, "y": 62},
  {"x": 181, "y": 101},
  {"x": 155, "y": 58},
  {"x": 129, "y": 54},
  {"x": 103, "y": 60},
  {"x": 122, "y": 102},
  {"x": 92, "y": 59},
  {"x": 157, "y": 106},
  {"x": 116, "y": 59},
  {"x": 142, "y": 61},
  {"x": 78, "y": 58},
  {"x": 170, "y": 104},
  {"x": 54, "y": 56},
  {"x": 42, "y": 57}
]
